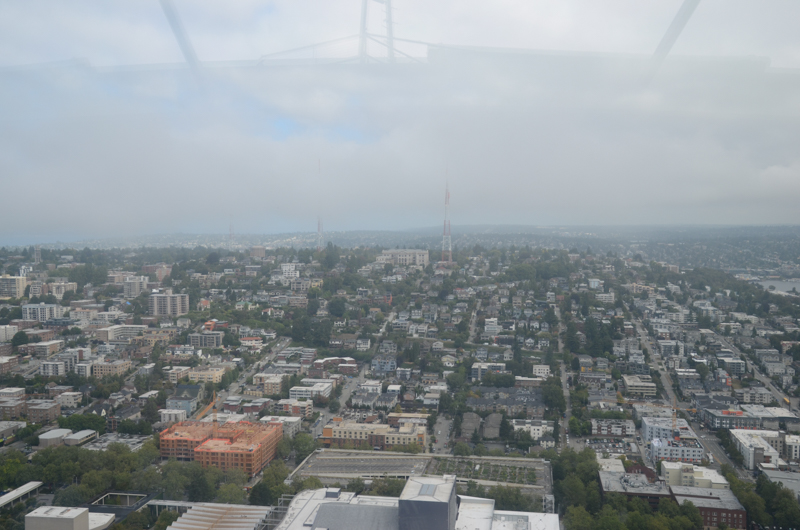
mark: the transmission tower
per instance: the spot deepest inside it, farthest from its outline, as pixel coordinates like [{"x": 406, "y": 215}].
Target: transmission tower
[
  {"x": 447, "y": 244},
  {"x": 320, "y": 242}
]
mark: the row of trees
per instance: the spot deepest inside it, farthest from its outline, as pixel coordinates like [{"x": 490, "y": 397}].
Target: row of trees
[{"x": 767, "y": 503}]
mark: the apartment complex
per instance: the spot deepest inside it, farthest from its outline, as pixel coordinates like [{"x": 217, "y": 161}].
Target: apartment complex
[
  {"x": 271, "y": 383},
  {"x": 52, "y": 369},
  {"x": 207, "y": 375},
  {"x": 133, "y": 286},
  {"x": 378, "y": 435},
  {"x": 758, "y": 447},
  {"x": 42, "y": 312},
  {"x": 43, "y": 411},
  {"x": 207, "y": 339},
  {"x": 541, "y": 370},
  {"x": 12, "y": 286},
  {"x": 113, "y": 368},
  {"x": 243, "y": 445},
  {"x": 296, "y": 407},
  {"x": 481, "y": 369},
  {"x": 616, "y": 428},
  {"x": 120, "y": 332},
  {"x": 679, "y": 474},
  {"x": 757, "y": 394},
  {"x": 404, "y": 257},
  {"x": 640, "y": 385},
  {"x": 310, "y": 392},
  {"x": 168, "y": 304}
]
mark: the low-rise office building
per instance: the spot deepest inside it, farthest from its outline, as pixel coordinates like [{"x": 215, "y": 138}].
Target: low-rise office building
[
  {"x": 640, "y": 385},
  {"x": 310, "y": 392},
  {"x": 376, "y": 435}
]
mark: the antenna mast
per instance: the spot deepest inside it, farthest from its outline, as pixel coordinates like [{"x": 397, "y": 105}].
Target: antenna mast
[
  {"x": 319, "y": 235},
  {"x": 447, "y": 247}
]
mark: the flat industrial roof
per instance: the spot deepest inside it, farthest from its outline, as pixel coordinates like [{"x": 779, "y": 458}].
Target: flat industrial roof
[
  {"x": 55, "y": 433},
  {"x": 80, "y": 435},
  {"x": 11, "y": 496}
]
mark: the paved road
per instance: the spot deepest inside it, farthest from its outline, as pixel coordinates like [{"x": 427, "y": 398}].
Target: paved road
[
  {"x": 564, "y": 422},
  {"x": 443, "y": 426},
  {"x": 473, "y": 323}
]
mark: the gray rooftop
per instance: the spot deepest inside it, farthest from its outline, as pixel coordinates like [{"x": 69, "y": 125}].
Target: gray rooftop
[
  {"x": 632, "y": 483},
  {"x": 340, "y": 516},
  {"x": 707, "y": 497},
  {"x": 789, "y": 480}
]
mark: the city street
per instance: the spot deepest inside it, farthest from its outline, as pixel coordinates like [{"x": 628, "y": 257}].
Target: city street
[
  {"x": 564, "y": 422},
  {"x": 443, "y": 426}
]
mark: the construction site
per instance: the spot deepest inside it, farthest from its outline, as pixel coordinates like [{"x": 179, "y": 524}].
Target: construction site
[{"x": 242, "y": 445}]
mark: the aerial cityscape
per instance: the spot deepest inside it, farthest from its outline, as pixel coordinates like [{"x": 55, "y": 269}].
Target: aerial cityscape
[{"x": 301, "y": 265}]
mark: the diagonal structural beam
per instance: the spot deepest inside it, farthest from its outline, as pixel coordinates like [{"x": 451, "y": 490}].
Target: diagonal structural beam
[
  {"x": 180, "y": 35},
  {"x": 673, "y": 32},
  {"x": 362, "y": 41}
]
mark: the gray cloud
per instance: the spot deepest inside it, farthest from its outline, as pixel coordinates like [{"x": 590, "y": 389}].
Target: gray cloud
[{"x": 541, "y": 137}]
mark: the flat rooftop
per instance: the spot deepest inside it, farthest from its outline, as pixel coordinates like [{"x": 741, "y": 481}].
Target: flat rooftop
[
  {"x": 133, "y": 441},
  {"x": 707, "y": 497},
  {"x": 631, "y": 483},
  {"x": 342, "y": 464},
  {"x": 789, "y": 480},
  {"x": 333, "y": 509}
]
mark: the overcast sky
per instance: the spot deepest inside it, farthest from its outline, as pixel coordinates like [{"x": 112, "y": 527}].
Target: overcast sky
[{"x": 104, "y": 130}]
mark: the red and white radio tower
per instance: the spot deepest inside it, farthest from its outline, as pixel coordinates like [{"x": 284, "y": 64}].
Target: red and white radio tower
[
  {"x": 447, "y": 246},
  {"x": 319, "y": 235}
]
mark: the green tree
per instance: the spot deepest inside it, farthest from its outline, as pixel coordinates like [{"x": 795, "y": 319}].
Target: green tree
[
  {"x": 462, "y": 449},
  {"x": 19, "y": 338},
  {"x": 336, "y": 307},
  {"x": 303, "y": 446},
  {"x": 231, "y": 494},
  {"x": 165, "y": 519},
  {"x": 72, "y": 495},
  {"x": 284, "y": 448},
  {"x": 387, "y": 487},
  {"x": 356, "y": 485},
  {"x": 577, "y": 518}
]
